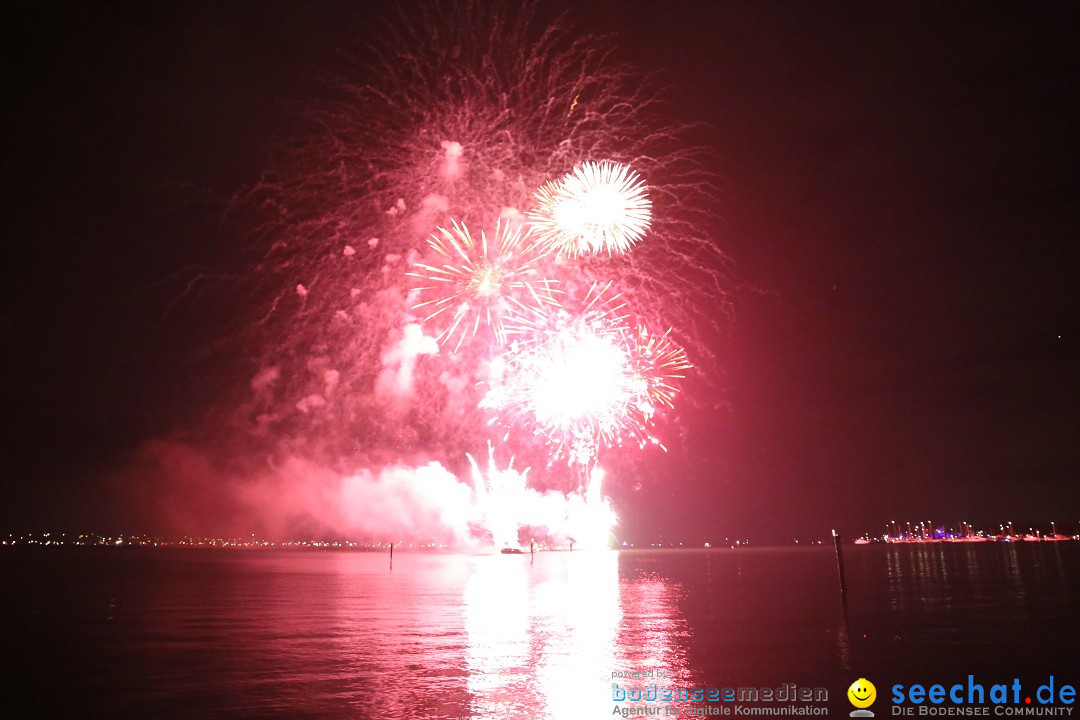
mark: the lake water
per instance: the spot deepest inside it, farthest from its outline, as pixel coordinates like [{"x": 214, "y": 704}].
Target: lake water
[{"x": 237, "y": 634}]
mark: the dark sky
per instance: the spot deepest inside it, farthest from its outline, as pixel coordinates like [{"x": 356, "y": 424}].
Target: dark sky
[{"x": 899, "y": 196}]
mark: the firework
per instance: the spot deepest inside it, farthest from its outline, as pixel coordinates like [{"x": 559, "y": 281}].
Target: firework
[
  {"x": 500, "y": 495},
  {"x": 601, "y": 308},
  {"x": 588, "y": 381},
  {"x": 657, "y": 365},
  {"x": 395, "y": 152},
  {"x": 575, "y": 387},
  {"x": 345, "y": 323},
  {"x": 505, "y": 504},
  {"x": 481, "y": 283},
  {"x": 599, "y": 207}
]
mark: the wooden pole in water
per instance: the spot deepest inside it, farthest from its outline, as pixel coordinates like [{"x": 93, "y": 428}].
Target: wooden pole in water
[
  {"x": 840, "y": 566},
  {"x": 391, "y": 556}
]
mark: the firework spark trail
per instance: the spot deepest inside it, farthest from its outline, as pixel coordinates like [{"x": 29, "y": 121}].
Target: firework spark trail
[
  {"x": 599, "y": 308},
  {"x": 598, "y": 207},
  {"x": 462, "y": 113},
  {"x": 479, "y": 282},
  {"x": 657, "y": 365}
]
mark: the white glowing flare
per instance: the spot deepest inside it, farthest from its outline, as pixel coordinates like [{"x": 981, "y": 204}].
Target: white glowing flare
[
  {"x": 502, "y": 498},
  {"x": 582, "y": 376},
  {"x": 598, "y": 207},
  {"x": 590, "y": 521},
  {"x": 575, "y": 388},
  {"x": 582, "y": 519}
]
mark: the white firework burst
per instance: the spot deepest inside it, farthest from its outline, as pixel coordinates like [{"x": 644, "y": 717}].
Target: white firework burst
[{"x": 598, "y": 207}]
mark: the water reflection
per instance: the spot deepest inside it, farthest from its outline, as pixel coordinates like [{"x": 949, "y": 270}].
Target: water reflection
[
  {"x": 579, "y": 612},
  {"x": 449, "y": 636},
  {"x": 652, "y": 628},
  {"x": 540, "y": 636},
  {"x": 497, "y": 619},
  {"x": 544, "y": 638},
  {"x": 653, "y": 636}
]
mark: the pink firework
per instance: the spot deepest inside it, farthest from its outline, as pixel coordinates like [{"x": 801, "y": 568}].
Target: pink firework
[
  {"x": 598, "y": 207},
  {"x": 480, "y": 283}
]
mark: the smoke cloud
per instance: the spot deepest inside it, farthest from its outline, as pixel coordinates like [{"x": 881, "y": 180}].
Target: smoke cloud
[
  {"x": 399, "y": 362},
  {"x": 177, "y": 489}
]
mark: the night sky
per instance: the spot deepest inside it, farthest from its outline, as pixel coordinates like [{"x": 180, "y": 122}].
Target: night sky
[{"x": 898, "y": 194}]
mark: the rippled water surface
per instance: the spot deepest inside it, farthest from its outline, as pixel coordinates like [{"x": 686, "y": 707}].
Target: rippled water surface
[{"x": 175, "y": 633}]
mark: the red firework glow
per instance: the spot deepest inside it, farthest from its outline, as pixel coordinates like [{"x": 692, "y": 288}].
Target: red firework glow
[
  {"x": 657, "y": 364},
  {"x": 379, "y": 347}
]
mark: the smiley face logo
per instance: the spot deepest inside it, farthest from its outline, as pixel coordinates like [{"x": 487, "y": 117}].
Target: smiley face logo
[{"x": 862, "y": 693}]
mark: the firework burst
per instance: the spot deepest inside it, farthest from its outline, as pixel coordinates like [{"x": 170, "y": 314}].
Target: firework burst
[
  {"x": 598, "y": 207},
  {"x": 657, "y": 365},
  {"x": 586, "y": 383},
  {"x": 601, "y": 309},
  {"x": 480, "y": 283}
]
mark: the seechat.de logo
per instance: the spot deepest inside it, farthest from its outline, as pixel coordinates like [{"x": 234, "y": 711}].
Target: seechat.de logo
[{"x": 862, "y": 695}]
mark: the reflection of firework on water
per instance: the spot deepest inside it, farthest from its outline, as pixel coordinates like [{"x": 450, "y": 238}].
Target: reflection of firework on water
[
  {"x": 480, "y": 282},
  {"x": 598, "y": 207}
]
